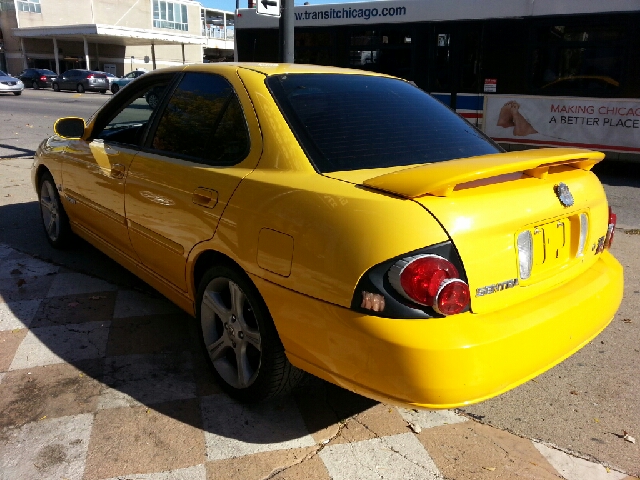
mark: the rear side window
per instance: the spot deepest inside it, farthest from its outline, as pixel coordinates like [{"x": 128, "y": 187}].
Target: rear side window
[
  {"x": 203, "y": 122},
  {"x": 352, "y": 122}
]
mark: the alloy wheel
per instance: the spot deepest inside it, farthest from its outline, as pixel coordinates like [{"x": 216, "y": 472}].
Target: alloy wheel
[
  {"x": 50, "y": 210},
  {"x": 231, "y": 333}
]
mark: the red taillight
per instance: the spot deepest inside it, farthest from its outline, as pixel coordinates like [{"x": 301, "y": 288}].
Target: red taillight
[
  {"x": 43, "y": 78},
  {"x": 431, "y": 280},
  {"x": 90, "y": 76},
  {"x": 611, "y": 229},
  {"x": 453, "y": 297}
]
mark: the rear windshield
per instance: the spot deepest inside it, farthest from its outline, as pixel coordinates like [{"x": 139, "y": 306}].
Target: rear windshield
[
  {"x": 47, "y": 72},
  {"x": 352, "y": 122}
]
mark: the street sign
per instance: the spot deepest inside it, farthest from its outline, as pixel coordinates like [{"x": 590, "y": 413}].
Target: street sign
[{"x": 269, "y": 7}]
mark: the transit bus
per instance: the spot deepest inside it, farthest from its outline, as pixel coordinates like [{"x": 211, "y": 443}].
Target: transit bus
[{"x": 527, "y": 72}]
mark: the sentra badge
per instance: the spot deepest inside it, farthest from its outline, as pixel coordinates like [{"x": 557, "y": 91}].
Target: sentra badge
[
  {"x": 496, "y": 287},
  {"x": 564, "y": 194}
]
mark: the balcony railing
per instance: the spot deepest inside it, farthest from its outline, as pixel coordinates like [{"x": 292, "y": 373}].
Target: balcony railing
[{"x": 219, "y": 33}]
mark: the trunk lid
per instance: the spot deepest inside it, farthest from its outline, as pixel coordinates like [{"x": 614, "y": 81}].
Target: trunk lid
[{"x": 485, "y": 202}]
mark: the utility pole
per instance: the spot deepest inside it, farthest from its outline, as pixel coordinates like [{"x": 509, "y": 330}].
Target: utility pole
[{"x": 286, "y": 31}]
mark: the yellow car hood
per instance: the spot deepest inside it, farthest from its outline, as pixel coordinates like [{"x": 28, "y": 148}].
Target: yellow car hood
[{"x": 484, "y": 202}]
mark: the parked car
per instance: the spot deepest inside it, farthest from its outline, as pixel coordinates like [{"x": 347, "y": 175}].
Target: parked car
[
  {"x": 80, "y": 81},
  {"x": 118, "y": 83},
  {"x": 10, "y": 84},
  {"x": 110, "y": 76},
  {"x": 37, "y": 77},
  {"x": 342, "y": 223}
]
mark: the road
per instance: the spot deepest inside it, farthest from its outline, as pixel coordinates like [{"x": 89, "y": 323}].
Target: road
[{"x": 582, "y": 405}]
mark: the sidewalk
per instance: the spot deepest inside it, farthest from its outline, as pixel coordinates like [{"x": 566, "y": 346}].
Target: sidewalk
[{"x": 100, "y": 382}]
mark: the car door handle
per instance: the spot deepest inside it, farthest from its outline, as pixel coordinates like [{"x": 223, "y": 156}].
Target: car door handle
[
  {"x": 118, "y": 170},
  {"x": 205, "y": 197}
]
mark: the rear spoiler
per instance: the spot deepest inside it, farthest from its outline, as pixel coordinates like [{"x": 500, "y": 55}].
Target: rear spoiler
[{"x": 440, "y": 179}]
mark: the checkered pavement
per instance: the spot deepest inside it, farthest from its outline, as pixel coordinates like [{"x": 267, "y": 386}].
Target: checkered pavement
[{"x": 99, "y": 382}]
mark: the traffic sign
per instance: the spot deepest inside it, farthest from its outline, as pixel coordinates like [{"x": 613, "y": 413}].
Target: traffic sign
[{"x": 269, "y": 7}]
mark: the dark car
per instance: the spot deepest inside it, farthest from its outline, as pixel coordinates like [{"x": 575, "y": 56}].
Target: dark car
[
  {"x": 37, "y": 77},
  {"x": 81, "y": 80}
]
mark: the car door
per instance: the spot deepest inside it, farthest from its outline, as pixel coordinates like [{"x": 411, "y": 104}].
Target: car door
[
  {"x": 66, "y": 80},
  {"x": 94, "y": 171},
  {"x": 203, "y": 143}
]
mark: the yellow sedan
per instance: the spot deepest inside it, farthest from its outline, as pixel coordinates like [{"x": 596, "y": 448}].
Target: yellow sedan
[{"x": 339, "y": 223}]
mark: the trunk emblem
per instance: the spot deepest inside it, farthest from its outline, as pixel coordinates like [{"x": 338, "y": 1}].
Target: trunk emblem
[
  {"x": 496, "y": 287},
  {"x": 564, "y": 194}
]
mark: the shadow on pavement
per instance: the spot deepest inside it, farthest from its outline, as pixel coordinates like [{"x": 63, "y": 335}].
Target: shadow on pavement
[
  {"x": 132, "y": 349},
  {"x": 22, "y": 152}
]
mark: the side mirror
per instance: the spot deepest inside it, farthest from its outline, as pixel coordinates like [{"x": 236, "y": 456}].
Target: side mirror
[{"x": 69, "y": 127}]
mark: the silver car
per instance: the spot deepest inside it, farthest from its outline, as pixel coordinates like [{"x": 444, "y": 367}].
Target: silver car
[
  {"x": 81, "y": 80},
  {"x": 10, "y": 84}
]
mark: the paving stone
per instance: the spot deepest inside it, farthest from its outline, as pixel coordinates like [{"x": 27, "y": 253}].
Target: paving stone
[
  {"x": 12, "y": 289},
  {"x": 130, "y": 303},
  {"x": 309, "y": 469},
  {"x": 234, "y": 430},
  {"x": 18, "y": 314},
  {"x": 197, "y": 472},
  {"x": 300, "y": 463},
  {"x": 142, "y": 440},
  {"x": 430, "y": 418},
  {"x": 399, "y": 457},
  {"x": 77, "y": 284},
  {"x": 48, "y": 392},
  {"x": 76, "y": 308},
  {"x": 469, "y": 450},
  {"x": 573, "y": 468},
  {"x": 151, "y": 334},
  {"x": 9, "y": 343},
  {"x": 147, "y": 379},
  {"x": 318, "y": 416},
  {"x": 24, "y": 266},
  {"x": 64, "y": 343},
  {"x": 48, "y": 449}
]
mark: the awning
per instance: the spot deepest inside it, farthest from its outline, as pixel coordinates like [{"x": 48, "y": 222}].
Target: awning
[{"x": 109, "y": 34}]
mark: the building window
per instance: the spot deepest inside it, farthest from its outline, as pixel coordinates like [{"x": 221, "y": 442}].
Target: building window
[
  {"x": 32, "y": 6},
  {"x": 170, "y": 15}
]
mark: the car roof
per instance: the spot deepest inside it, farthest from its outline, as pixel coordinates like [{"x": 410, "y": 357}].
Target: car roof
[{"x": 275, "y": 68}]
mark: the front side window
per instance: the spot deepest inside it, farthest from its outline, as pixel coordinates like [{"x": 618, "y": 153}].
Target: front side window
[
  {"x": 127, "y": 124},
  {"x": 32, "y": 6},
  {"x": 353, "y": 122},
  {"x": 170, "y": 15},
  {"x": 203, "y": 122}
]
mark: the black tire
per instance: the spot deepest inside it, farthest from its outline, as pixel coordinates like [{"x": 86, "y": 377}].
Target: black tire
[
  {"x": 79, "y": 88},
  {"x": 56, "y": 87},
  {"x": 153, "y": 100},
  {"x": 54, "y": 219},
  {"x": 103, "y": 91},
  {"x": 115, "y": 88},
  {"x": 235, "y": 321},
  {"x": 35, "y": 85},
  {"x": 17, "y": 93}
]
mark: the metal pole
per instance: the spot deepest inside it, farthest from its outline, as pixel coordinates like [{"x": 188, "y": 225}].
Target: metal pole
[{"x": 286, "y": 31}]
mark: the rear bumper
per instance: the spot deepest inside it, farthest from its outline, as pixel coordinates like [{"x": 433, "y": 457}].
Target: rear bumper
[
  {"x": 448, "y": 362},
  {"x": 96, "y": 87}
]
